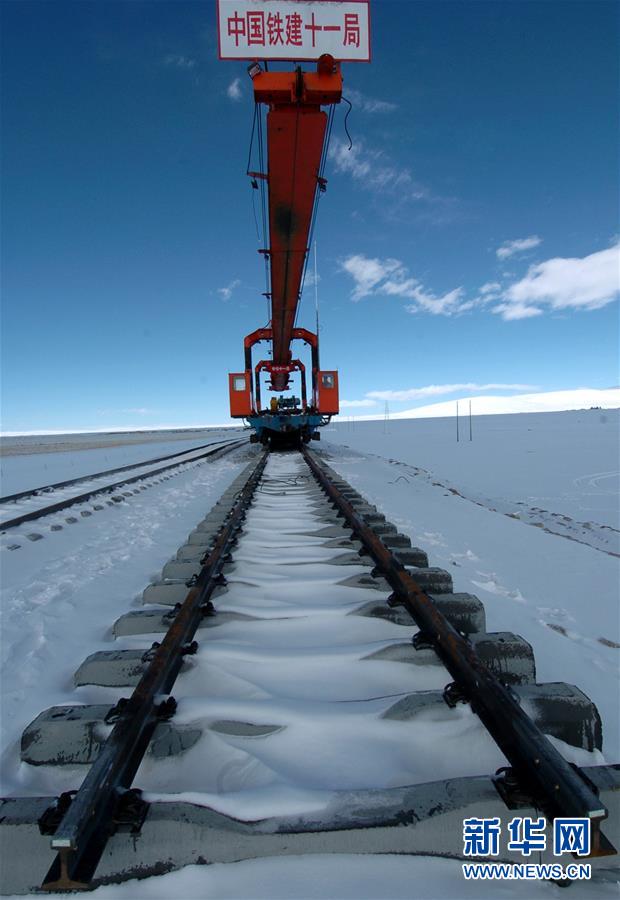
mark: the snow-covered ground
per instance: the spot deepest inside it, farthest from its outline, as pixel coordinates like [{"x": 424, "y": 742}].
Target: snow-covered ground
[
  {"x": 562, "y": 468},
  {"x": 525, "y": 516}
]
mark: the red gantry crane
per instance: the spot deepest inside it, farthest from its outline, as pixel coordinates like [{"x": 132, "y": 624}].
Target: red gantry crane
[{"x": 297, "y": 135}]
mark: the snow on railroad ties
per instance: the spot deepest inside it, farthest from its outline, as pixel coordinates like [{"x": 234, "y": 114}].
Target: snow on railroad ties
[
  {"x": 295, "y": 706},
  {"x": 290, "y": 710},
  {"x": 563, "y": 596}
]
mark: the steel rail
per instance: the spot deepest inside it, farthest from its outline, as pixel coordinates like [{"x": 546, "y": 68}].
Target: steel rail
[
  {"x": 557, "y": 787},
  {"x": 12, "y": 498},
  {"x": 83, "y": 832},
  {"x": 81, "y": 498}
]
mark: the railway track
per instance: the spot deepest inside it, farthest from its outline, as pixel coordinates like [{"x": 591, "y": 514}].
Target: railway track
[
  {"x": 300, "y": 680},
  {"x": 29, "y": 502}
]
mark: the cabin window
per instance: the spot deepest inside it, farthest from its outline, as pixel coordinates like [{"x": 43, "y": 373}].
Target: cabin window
[{"x": 239, "y": 383}]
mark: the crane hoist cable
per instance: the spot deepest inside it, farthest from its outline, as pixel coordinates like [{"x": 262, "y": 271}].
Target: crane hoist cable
[
  {"x": 317, "y": 197},
  {"x": 256, "y": 134}
]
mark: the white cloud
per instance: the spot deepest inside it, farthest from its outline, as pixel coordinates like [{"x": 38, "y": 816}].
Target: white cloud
[
  {"x": 310, "y": 280},
  {"x": 400, "y": 285},
  {"x": 226, "y": 292},
  {"x": 367, "y": 273},
  {"x": 348, "y": 160},
  {"x": 437, "y": 390},
  {"x": 391, "y": 277},
  {"x": 369, "y": 104},
  {"x": 490, "y": 288},
  {"x": 468, "y": 305},
  {"x": 353, "y": 404},
  {"x": 586, "y": 283},
  {"x": 573, "y": 283},
  {"x": 510, "y": 312},
  {"x": 395, "y": 191},
  {"x": 446, "y": 305},
  {"x": 179, "y": 62},
  {"x": 234, "y": 90},
  {"x": 509, "y": 248},
  {"x": 372, "y": 167}
]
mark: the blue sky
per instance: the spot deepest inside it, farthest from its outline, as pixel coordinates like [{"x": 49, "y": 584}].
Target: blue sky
[{"x": 468, "y": 238}]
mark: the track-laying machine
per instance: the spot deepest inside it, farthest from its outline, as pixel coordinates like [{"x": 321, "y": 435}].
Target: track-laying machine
[{"x": 297, "y": 137}]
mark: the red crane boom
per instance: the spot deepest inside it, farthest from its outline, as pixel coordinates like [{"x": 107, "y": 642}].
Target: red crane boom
[
  {"x": 296, "y": 135},
  {"x": 295, "y": 139}
]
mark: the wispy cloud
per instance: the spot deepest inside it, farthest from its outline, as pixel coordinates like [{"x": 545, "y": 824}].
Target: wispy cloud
[
  {"x": 439, "y": 390},
  {"x": 355, "y": 404},
  {"x": 511, "y": 312},
  {"x": 586, "y": 283},
  {"x": 310, "y": 280},
  {"x": 369, "y": 104},
  {"x": 395, "y": 192},
  {"x": 372, "y": 166},
  {"x": 234, "y": 90},
  {"x": 444, "y": 305},
  {"x": 177, "y": 61},
  {"x": 490, "y": 289},
  {"x": 227, "y": 291},
  {"x": 391, "y": 277},
  {"x": 510, "y": 248}
]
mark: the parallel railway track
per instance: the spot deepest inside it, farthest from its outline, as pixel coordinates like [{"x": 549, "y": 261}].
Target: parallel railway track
[
  {"x": 95, "y": 490},
  {"x": 293, "y": 570}
]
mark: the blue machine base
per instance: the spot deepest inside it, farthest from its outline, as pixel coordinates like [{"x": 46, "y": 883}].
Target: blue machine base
[{"x": 285, "y": 424}]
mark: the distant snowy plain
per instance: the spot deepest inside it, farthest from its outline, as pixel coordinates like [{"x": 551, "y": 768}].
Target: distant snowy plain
[{"x": 525, "y": 516}]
